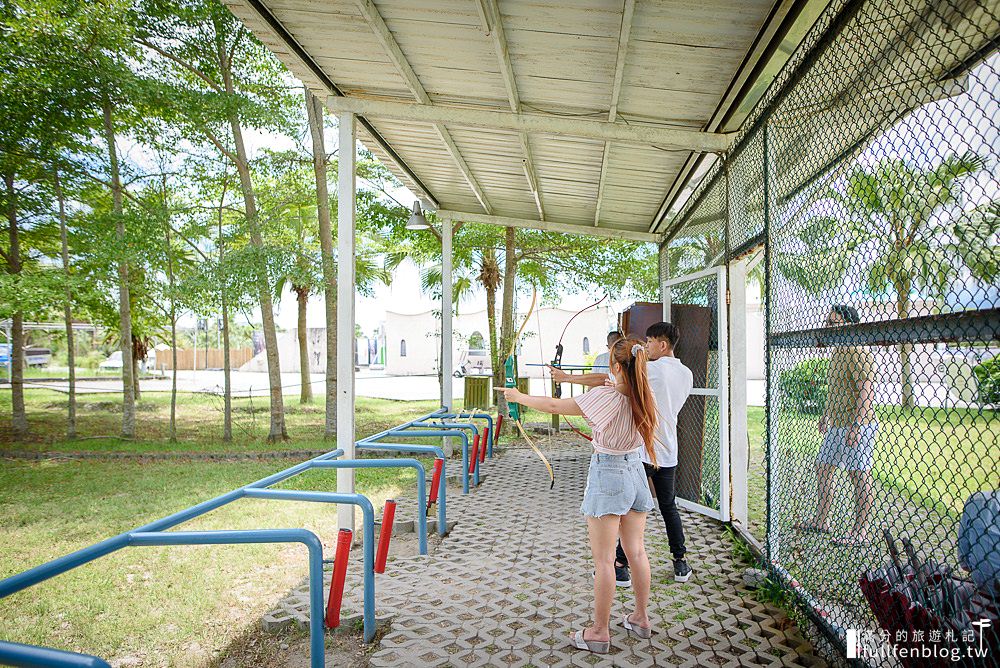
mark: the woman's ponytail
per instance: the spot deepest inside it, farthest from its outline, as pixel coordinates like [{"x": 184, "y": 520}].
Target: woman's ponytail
[{"x": 630, "y": 354}]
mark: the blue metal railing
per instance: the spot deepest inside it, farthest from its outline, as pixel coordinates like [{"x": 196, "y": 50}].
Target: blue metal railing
[
  {"x": 475, "y": 416},
  {"x": 155, "y": 533},
  {"x": 394, "y": 463},
  {"x": 32, "y": 656}
]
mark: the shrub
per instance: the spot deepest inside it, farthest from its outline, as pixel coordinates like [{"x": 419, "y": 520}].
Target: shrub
[
  {"x": 988, "y": 375},
  {"x": 804, "y": 386}
]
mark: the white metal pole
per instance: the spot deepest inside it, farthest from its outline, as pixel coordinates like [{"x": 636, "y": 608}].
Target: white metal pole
[
  {"x": 346, "y": 194},
  {"x": 722, "y": 341},
  {"x": 738, "y": 440},
  {"x": 446, "y": 329}
]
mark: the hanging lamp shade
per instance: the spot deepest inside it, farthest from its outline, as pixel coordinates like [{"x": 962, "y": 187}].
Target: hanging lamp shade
[{"x": 417, "y": 220}]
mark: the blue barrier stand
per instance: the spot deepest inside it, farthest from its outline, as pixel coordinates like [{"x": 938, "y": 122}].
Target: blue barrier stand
[
  {"x": 304, "y": 536},
  {"x": 367, "y": 543},
  {"x": 404, "y": 425},
  {"x": 439, "y": 433},
  {"x": 475, "y": 416},
  {"x": 155, "y": 533},
  {"x": 424, "y": 424},
  {"x": 413, "y": 448},
  {"x": 32, "y": 656},
  {"x": 138, "y": 538},
  {"x": 295, "y": 470},
  {"x": 393, "y": 463}
]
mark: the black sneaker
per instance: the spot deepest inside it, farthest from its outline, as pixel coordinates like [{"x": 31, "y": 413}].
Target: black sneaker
[
  {"x": 682, "y": 572},
  {"x": 622, "y": 576}
]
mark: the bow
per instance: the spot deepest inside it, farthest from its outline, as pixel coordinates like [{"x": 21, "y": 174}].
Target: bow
[
  {"x": 510, "y": 380},
  {"x": 557, "y": 362}
]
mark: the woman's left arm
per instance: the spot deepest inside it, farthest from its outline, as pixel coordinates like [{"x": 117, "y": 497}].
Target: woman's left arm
[{"x": 566, "y": 406}]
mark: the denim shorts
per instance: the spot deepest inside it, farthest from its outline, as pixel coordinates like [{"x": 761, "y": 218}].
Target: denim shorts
[
  {"x": 616, "y": 484},
  {"x": 836, "y": 452}
]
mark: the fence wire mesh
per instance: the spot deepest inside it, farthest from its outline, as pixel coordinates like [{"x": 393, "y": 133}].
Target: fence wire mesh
[{"x": 870, "y": 176}]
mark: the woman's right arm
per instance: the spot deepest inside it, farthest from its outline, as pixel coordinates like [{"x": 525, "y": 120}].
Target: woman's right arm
[
  {"x": 566, "y": 406},
  {"x": 587, "y": 379}
]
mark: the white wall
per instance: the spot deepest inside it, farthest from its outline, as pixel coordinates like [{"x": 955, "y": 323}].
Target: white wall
[
  {"x": 755, "y": 342},
  {"x": 420, "y": 331}
]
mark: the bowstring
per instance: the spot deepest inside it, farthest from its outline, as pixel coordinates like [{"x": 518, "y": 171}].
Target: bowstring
[{"x": 541, "y": 357}]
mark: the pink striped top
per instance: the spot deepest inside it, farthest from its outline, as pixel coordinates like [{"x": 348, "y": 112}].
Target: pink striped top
[{"x": 609, "y": 415}]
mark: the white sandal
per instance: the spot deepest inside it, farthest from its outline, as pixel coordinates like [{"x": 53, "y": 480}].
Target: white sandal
[
  {"x": 595, "y": 646},
  {"x": 639, "y": 631}
]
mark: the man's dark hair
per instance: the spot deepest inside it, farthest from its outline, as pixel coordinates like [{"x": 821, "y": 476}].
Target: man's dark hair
[
  {"x": 614, "y": 336},
  {"x": 665, "y": 331},
  {"x": 848, "y": 313}
]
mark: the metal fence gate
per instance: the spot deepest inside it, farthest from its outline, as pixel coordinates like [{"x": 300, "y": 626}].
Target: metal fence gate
[
  {"x": 703, "y": 483},
  {"x": 870, "y": 176}
]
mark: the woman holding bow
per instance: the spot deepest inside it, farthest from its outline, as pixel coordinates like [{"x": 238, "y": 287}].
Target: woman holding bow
[{"x": 617, "y": 497}]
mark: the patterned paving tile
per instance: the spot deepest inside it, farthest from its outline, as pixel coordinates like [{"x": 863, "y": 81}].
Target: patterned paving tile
[{"x": 514, "y": 577}]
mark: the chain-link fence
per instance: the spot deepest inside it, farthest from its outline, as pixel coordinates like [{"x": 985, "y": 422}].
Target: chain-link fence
[{"x": 869, "y": 176}]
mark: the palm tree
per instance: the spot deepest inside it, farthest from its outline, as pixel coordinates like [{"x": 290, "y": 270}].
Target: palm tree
[
  {"x": 462, "y": 285},
  {"x": 904, "y": 221},
  {"x": 700, "y": 252}
]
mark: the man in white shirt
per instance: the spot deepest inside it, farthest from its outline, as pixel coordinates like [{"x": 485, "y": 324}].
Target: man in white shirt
[
  {"x": 671, "y": 383},
  {"x": 602, "y": 361}
]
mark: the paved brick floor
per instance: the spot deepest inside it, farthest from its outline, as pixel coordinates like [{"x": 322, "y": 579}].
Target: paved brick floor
[{"x": 514, "y": 577}]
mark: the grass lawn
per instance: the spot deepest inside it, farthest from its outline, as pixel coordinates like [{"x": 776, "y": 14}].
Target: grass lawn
[
  {"x": 934, "y": 457},
  {"x": 199, "y": 422},
  {"x": 154, "y": 606}
]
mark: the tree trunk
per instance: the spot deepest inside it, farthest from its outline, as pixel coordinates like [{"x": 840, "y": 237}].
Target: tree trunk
[
  {"x": 507, "y": 312},
  {"x": 227, "y": 377},
  {"x": 67, "y": 308},
  {"x": 314, "y": 110},
  {"x": 124, "y": 307},
  {"x": 227, "y": 388},
  {"x": 135, "y": 371},
  {"x": 902, "y": 287},
  {"x": 278, "y": 430},
  {"x": 19, "y": 417},
  {"x": 489, "y": 269},
  {"x": 302, "y": 297},
  {"x": 173, "y": 338}
]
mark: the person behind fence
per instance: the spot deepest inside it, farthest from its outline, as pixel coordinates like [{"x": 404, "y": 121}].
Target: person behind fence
[
  {"x": 617, "y": 497},
  {"x": 601, "y": 364},
  {"x": 849, "y": 432},
  {"x": 671, "y": 383}
]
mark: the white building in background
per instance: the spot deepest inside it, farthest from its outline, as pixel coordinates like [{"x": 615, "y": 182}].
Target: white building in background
[{"x": 412, "y": 340}]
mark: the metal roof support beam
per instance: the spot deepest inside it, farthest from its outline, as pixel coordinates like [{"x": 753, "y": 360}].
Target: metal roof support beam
[
  {"x": 493, "y": 25},
  {"x": 546, "y": 226},
  {"x": 642, "y": 135},
  {"x": 616, "y": 90},
  {"x": 375, "y": 21}
]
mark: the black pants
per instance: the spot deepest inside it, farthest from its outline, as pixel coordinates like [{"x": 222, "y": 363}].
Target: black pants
[{"x": 663, "y": 483}]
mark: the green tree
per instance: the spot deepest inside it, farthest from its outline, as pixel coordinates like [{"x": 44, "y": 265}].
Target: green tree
[
  {"x": 551, "y": 262},
  {"x": 216, "y": 81},
  {"x": 905, "y": 223},
  {"x": 57, "y": 59}
]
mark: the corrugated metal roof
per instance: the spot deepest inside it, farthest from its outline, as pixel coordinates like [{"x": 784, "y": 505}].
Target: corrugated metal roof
[{"x": 672, "y": 63}]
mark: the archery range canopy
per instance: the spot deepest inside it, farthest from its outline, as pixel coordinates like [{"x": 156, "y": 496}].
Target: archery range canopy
[{"x": 590, "y": 117}]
